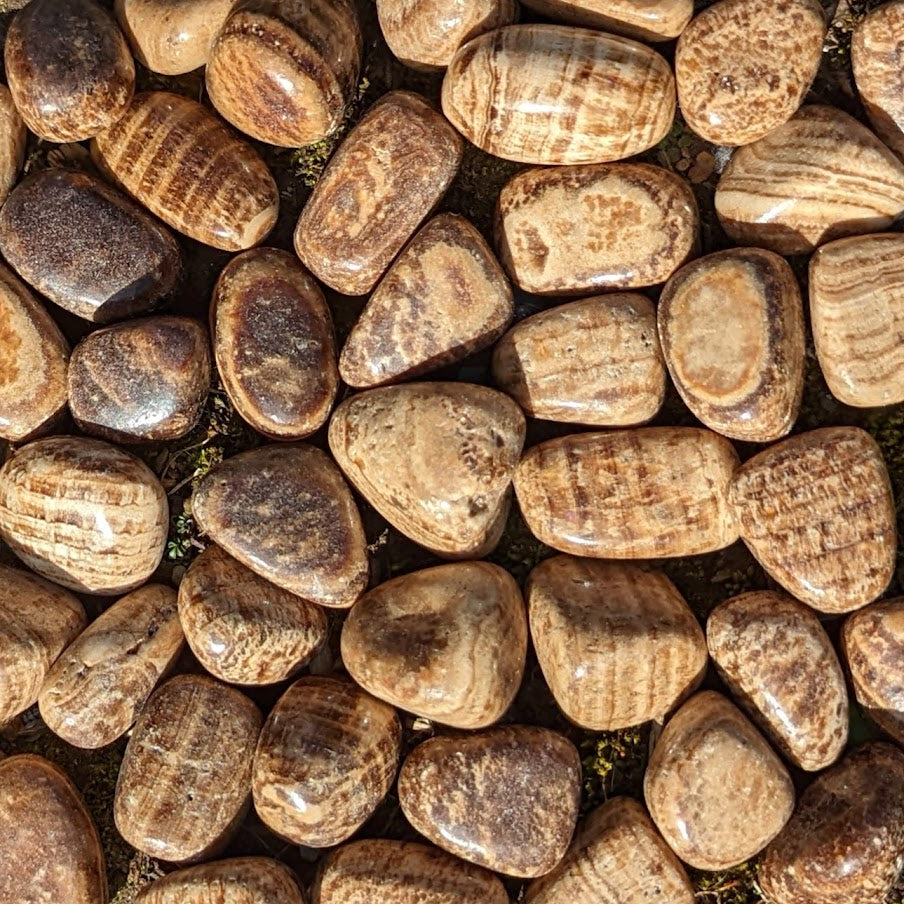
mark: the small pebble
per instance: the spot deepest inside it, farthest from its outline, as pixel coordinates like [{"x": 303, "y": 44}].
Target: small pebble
[
  {"x": 649, "y": 20},
  {"x": 13, "y": 135}
]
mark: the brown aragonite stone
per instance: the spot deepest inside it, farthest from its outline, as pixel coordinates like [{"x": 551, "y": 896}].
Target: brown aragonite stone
[
  {"x": 50, "y": 849},
  {"x": 779, "y": 664},
  {"x": 69, "y": 69},
  {"x": 820, "y": 176},
  {"x": 446, "y": 643},
  {"x": 434, "y": 459},
  {"x": 388, "y": 174},
  {"x": 563, "y": 231},
  {"x": 857, "y": 316},
  {"x": 326, "y": 758},
  {"x": 286, "y": 513},
  {"x": 651, "y": 492},
  {"x": 506, "y": 798},
  {"x": 617, "y": 857},
  {"x": 845, "y": 842},
  {"x": 274, "y": 343},
  {"x": 83, "y": 514},
  {"x": 96, "y": 689},
  {"x": 12, "y": 142},
  {"x": 595, "y": 361},
  {"x": 141, "y": 381},
  {"x": 732, "y": 331},
  {"x": 38, "y": 620},
  {"x": 817, "y": 512},
  {"x": 618, "y": 645},
  {"x": 643, "y": 20},
  {"x": 715, "y": 789},
  {"x": 189, "y": 169},
  {"x": 185, "y": 780},
  {"x": 552, "y": 94},
  {"x": 55, "y": 231},
  {"x": 445, "y": 298},
  {"x": 243, "y": 629}
]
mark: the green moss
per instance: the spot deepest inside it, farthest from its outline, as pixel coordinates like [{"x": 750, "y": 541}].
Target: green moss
[
  {"x": 519, "y": 551},
  {"x": 613, "y": 763},
  {"x": 734, "y": 886}
]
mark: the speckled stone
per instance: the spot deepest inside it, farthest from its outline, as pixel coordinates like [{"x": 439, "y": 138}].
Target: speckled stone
[
  {"x": 644, "y": 20},
  {"x": 12, "y": 142}
]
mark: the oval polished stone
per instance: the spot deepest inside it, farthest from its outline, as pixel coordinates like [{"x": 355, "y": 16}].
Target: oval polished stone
[
  {"x": 96, "y": 689},
  {"x": 552, "y": 94},
  {"x": 566, "y": 231},
  {"x": 595, "y": 361},
  {"x": 141, "y": 381},
  {"x": 446, "y": 643},
  {"x": 183, "y": 164},
  {"x": 55, "y": 231},
  {"x": 443, "y": 299},
  {"x": 43, "y": 818},
  {"x": 12, "y": 143},
  {"x": 506, "y": 798},
  {"x": 243, "y": 629},
  {"x": 710, "y": 770},
  {"x": 274, "y": 343},
  {"x": 857, "y": 316},
  {"x": 83, "y": 514},
  {"x": 845, "y": 842},
  {"x": 652, "y": 492},
  {"x": 618, "y": 645},
  {"x": 326, "y": 758},
  {"x": 434, "y": 459},
  {"x": 643, "y": 20},
  {"x": 820, "y": 176},
  {"x": 286, "y": 513},
  {"x": 386, "y": 177},
  {"x": 185, "y": 778},
  {"x": 747, "y": 385},
  {"x": 817, "y": 512},
  {"x": 69, "y": 69},
  {"x": 779, "y": 664}
]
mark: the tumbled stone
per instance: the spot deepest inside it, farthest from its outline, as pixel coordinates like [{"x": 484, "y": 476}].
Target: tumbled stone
[{"x": 12, "y": 143}]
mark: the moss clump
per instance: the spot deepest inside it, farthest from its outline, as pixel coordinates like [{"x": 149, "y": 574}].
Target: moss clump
[
  {"x": 613, "y": 763},
  {"x": 734, "y": 886}
]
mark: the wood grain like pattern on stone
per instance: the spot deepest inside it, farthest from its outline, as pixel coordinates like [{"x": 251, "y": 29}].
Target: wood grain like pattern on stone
[
  {"x": 327, "y": 757},
  {"x": 12, "y": 142},
  {"x": 820, "y": 176},
  {"x": 189, "y": 169},
  {"x": 83, "y": 514},
  {"x": 618, "y": 645},
  {"x": 652, "y": 492},
  {"x": 185, "y": 779},
  {"x": 779, "y": 664},
  {"x": 96, "y": 689},
  {"x": 817, "y": 512},
  {"x": 710, "y": 770},
  {"x": 644, "y": 20},
  {"x": 386, "y": 177},
  {"x": 562, "y": 231},
  {"x": 443, "y": 299}
]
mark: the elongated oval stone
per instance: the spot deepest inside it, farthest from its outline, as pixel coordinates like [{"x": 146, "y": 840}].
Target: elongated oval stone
[
  {"x": 96, "y": 689},
  {"x": 643, "y": 20},
  {"x": 653, "y": 492},
  {"x": 12, "y": 143},
  {"x": 189, "y": 169},
  {"x": 621, "y": 226}
]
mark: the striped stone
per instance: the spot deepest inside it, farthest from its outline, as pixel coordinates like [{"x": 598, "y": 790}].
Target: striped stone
[
  {"x": 647, "y": 20},
  {"x": 12, "y": 142}
]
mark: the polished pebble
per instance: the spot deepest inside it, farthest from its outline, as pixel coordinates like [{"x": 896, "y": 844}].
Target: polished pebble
[
  {"x": 12, "y": 143},
  {"x": 646, "y": 20}
]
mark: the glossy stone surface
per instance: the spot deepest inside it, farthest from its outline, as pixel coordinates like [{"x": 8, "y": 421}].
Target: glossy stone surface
[
  {"x": 710, "y": 770},
  {"x": 817, "y": 512},
  {"x": 643, "y": 20},
  {"x": 732, "y": 331},
  {"x": 595, "y": 361},
  {"x": 55, "y": 231},
  {"x": 386, "y": 177},
  {"x": 326, "y": 758},
  {"x": 241, "y": 628},
  {"x": 446, "y": 643},
  {"x": 185, "y": 778},
  {"x": 622, "y": 226},
  {"x": 820, "y": 176},
  {"x": 779, "y": 664},
  {"x": 551, "y": 94},
  {"x": 83, "y": 514},
  {"x": 274, "y": 343},
  {"x": 434, "y": 459},
  {"x": 183, "y": 164},
  {"x": 652, "y": 492},
  {"x": 12, "y": 142},
  {"x": 443, "y": 299},
  {"x": 286, "y": 513},
  {"x": 96, "y": 689}
]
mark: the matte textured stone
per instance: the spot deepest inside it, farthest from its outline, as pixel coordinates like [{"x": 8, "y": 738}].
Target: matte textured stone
[{"x": 13, "y": 135}]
